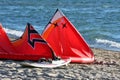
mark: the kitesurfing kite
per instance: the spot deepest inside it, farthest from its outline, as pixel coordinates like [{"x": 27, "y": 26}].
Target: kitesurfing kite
[
  {"x": 30, "y": 46},
  {"x": 66, "y": 41}
]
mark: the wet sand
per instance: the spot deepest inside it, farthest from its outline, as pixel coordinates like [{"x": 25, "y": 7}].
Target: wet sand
[{"x": 106, "y": 67}]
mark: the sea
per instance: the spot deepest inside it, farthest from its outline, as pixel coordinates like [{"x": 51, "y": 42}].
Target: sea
[{"x": 98, "y": 21}]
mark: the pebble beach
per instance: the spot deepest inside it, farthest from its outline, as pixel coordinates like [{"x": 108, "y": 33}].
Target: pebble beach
[{"x": 106, "y": 67}]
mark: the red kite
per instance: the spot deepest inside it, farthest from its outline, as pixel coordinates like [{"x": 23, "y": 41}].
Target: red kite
[
  {"x": 66, "y": 41},
  {"x": 30, "y": 46}
]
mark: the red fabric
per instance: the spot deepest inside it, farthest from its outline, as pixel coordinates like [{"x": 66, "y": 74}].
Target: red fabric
[
  {"x": 21, "y": 49},
  {"x": 66, "y": 41}
]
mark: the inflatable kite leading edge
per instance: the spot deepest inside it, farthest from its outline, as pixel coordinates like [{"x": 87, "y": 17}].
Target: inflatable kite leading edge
[{"x": 66, "y": 41}]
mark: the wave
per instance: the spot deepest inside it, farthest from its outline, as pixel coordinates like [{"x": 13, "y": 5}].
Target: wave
[
  {"x": 109, "y": 43},
  {"x": 13, "y": 32}
]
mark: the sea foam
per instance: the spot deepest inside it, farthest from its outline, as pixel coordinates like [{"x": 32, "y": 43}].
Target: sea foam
[
  {"x": 13, "y": 32},
  {"x": 108, "y": 42}
]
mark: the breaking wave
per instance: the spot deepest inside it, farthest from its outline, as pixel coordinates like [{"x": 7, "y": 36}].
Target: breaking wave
[
  {"x": 13, "y": 32},
  {"x": 108, "y": 43}
]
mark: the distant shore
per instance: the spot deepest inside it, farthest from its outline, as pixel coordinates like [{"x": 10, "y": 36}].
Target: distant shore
[{"x": 106, "y": 67}]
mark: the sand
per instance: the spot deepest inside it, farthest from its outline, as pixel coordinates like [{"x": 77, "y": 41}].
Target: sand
[{"x": 106, "y": 67}]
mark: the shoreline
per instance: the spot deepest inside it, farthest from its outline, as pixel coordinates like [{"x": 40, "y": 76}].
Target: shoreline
[{"x": 12, "y": 70}]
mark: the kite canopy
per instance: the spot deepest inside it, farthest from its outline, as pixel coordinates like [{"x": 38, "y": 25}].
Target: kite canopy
[
  {"x": 66, "y": 41},
  {"x": 30, "y": 46}
]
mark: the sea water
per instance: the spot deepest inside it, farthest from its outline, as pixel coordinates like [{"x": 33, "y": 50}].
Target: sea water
[{"x": 98, "y": 21}]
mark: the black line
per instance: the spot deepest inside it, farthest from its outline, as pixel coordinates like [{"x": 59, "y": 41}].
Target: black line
[{"x": 33, "y": 41}]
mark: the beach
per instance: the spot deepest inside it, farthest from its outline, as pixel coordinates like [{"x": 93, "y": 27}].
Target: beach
[
  {"x": 105, "y": 67},
  {"x": 97, "y": 21}
]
